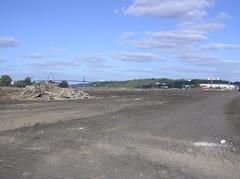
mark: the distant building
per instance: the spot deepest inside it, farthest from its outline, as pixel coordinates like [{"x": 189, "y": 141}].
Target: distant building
[
  {"x": 219, "y": 86},
  {"x": 189, "y": 86},
  {"x": 213, "y": 79},
  {"x": 162, "y": 85}
]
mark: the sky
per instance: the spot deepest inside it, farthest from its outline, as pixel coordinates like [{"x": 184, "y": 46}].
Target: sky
[{"x": 120, "y": 39}]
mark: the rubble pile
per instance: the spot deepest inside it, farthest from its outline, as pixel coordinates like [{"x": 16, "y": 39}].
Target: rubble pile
[{"x": 51, "y": 91}]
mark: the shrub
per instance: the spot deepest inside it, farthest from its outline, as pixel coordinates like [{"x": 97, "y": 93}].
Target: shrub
[
  {"x": 23, "y": 83},
  {"x": 5, "y": 80},
  {"x": 63, "y": 84}
]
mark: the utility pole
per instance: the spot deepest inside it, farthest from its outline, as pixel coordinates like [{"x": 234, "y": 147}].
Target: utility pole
[
  {"x": 52, "y": 76},
  {"x": 84, "y": 80}
]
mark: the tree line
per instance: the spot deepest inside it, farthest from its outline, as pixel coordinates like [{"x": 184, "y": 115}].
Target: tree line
[
  {"x": 6, "y": 80},
  {"x": 158, "y": 83}
]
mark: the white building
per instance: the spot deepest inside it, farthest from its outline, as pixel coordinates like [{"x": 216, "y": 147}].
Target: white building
[{"x": 219, "y": 86}]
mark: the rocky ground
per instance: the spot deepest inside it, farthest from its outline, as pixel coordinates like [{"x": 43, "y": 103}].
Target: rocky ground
[{"x": 122, "y": 134}]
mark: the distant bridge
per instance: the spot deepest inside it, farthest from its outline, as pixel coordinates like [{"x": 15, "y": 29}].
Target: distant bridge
[{"x": 70, "y": 81}]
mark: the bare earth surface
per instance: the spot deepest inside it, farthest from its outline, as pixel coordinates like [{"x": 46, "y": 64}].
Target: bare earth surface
[{"x": 122, "y": 135}]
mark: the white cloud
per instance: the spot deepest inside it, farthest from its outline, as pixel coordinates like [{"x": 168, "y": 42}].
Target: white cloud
[
  {"x": 53, "y": 64},
  {"x": 116, "y": 11},
  {"x": 178, "y": 35},
  {"x": 189, "y": 69},
  {"x": 135, "y": 56},
  {"x": 169, "y": 40},
  {"x": 33, "y": 56},
  {"x": 169, "y": 8},
  {"x": 185, "y": 42},
  {"x": 90, "y": 59},
  {"x": 56, "y": 50},
  {"x": 8, "y": 42},
  {"x": 224, "y": 68},
  {"x": 93, "y": 62},
  {"x": 186, "y": 35},
  {"x": 204, "y": 26},
  {"x": 126, "y": 35},
  {"x": 221, "y": 46},
  {"x": 2, "y": 60},
  {"x": 224, "y": 16},
  {"x": 198, "y": 58}
]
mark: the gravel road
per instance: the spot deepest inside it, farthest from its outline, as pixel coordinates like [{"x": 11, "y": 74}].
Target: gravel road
[{"x": 123, "y": 134}]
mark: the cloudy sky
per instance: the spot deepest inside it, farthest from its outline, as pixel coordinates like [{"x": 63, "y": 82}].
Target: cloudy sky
[{"x": 120, "y": 39}]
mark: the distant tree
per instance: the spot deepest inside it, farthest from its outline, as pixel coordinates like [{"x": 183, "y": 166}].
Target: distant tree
[
  {"x": 23, "y": 83},
  {"x": 5, "y": 80},
  {"x": 63, "y": 84},
  {"x": 19, "y": 83},
  {"x": 27, "y": 81},
  {"x": 51, "y": 82},
  {"x": 196, "y": 82}
]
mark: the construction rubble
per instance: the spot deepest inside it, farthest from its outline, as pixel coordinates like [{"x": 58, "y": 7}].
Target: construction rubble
[{"x": 50, "y": 91}]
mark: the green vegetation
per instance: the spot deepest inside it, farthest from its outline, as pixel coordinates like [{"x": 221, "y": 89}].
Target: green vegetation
[
  {"x": 155, "y": 83},
  {"x": 5, "y": 80},
  {"x": 23, "y": 83},
  {"x": 63, "y": 84}
]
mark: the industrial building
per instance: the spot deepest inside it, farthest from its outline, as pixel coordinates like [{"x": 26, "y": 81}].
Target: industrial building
[{"x": 219, "y": 86}]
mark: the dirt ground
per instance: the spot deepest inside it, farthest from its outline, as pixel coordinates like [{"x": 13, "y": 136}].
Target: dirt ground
[
  {"x": 121, "y": 134},
  {"x": 8, "y": 93}
]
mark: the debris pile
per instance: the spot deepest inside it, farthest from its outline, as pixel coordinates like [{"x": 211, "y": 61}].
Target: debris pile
[{"x": 51, "y": 91}]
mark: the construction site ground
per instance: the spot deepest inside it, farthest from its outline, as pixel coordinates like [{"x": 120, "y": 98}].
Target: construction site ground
[{"x": 122, "y": 134}]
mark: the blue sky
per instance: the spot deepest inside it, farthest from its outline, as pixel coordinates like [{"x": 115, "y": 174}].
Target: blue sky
[{"x": 120, "y": 39}]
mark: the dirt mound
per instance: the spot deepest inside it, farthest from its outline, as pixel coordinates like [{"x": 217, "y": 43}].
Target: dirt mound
[{"x": 50, "y": 91}]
